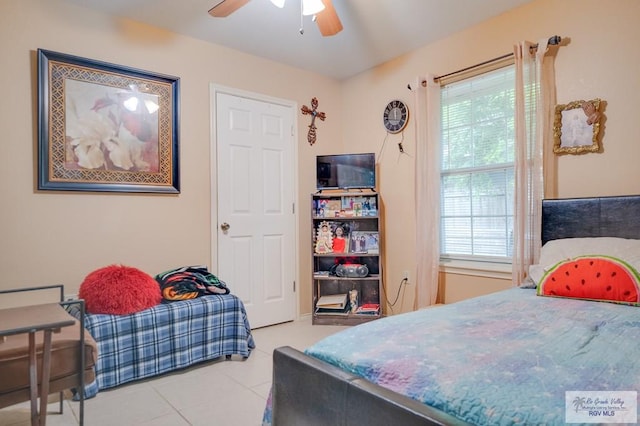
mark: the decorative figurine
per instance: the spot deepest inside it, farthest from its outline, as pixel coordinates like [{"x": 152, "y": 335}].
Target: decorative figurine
[
  {"x": 353, "y": 300},
  {"x": 324, "y": 239},
  {"x": 593, "y": 115}
]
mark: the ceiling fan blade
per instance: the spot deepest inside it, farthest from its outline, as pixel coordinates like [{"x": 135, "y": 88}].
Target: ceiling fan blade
[
  {"x": 328, "y": 22},
  {"x": 225, "y": 8}
]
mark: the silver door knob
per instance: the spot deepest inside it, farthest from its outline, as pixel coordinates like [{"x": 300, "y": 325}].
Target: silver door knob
[{"x": 225, "y": 227}]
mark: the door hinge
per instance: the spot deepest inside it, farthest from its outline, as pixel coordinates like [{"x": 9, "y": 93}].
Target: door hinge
[
  {"x": 294, "y": 286},
  {"x": 292, "y": 130},
  {"x": 293, "y": 208}
]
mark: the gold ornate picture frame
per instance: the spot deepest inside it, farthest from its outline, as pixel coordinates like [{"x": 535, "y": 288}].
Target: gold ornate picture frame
[
  {"x": 576, "y": 127},
  {"x": 104, "y": 127}
]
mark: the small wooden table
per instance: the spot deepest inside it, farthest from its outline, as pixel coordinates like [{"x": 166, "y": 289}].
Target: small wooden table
[{"x": 49, "y": 318}]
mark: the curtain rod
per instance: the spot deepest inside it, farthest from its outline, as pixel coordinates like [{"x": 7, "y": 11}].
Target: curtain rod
[{"x": 553, "y": 40}]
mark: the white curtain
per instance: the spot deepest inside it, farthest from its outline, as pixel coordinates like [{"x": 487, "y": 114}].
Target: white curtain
[
  {"x": 534, "y": 169},
  {"x": 427, "y": 190}
]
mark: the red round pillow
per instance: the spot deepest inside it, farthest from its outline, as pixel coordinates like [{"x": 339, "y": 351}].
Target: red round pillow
[{"x": 119, "y": 290}]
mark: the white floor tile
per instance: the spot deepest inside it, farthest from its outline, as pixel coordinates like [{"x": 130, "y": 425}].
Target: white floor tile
[
  {"x": 203, "y": 389},
  {"x": 298, "y": 334},
  {"x": 126, "y": 408},
  {"x": 253, "y": 372},
  {"x": 241, "y": 407},
  {"x": 263, "y": 389},
  {"x": 171, "y": 419}
]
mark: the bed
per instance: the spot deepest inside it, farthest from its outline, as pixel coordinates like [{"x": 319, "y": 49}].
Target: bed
[
  {"x": 503, "y": 358},
  {"x": 167, "y": 337}
]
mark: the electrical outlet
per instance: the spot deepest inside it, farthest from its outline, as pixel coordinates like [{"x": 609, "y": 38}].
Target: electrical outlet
[{"x": 405, "y": 276}]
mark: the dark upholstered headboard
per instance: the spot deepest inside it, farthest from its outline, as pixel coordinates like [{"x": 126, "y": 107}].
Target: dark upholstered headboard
[{"x": 616, "y": 216}]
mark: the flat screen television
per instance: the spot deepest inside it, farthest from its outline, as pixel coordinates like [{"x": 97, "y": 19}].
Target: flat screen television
[{"x": 346, "y": 171}]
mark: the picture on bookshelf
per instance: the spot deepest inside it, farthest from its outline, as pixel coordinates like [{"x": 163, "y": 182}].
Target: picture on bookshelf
[
  {"x": 324, "y": 238},
  {"x": 364, "y": 242},
  {"x": 359, "y": 206},
  {"x": 340, "y": 238},
  {"x": 328, "y": 207},
  {"x": 332, "y": 237}
]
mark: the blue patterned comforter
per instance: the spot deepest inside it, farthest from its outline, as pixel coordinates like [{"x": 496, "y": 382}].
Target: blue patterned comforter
[
  {"x": 501, "y": 359},
  {"x": 166, "y": 337}
]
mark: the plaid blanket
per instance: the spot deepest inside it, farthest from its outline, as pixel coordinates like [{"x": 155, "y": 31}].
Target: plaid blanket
[{"x": 166, "y": 337}]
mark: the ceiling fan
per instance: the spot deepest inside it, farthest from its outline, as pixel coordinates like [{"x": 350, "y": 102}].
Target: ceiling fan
[{"x": 327, "y": 19}]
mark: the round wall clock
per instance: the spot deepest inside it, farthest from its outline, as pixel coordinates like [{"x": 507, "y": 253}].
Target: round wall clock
[{"x": 395, "y": 116}]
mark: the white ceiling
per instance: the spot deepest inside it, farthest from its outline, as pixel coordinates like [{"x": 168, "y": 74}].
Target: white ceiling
[{"x": 374, "y": 30}]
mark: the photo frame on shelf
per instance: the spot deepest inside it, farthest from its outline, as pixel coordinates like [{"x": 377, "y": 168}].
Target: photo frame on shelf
[
  {"x": 366, "y": 242},
  {"x": 105, "y": 127},
  {"x": 359, "y": 206},
  {"x": 334, "y": 231},
  {"x": 576, "y": 127},
  {"x": 340, "y": 238}
]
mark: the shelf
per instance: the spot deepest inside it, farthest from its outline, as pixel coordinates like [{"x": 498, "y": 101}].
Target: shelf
[
  {"x": 358, "y": 217},
  {"x": 344, "y": 218},
  {"x": 370, "y": 277},
  {"x": 344, "y": 192},
  {"x": 351, "y": 319},
  {"x": 346, "y": 254}
]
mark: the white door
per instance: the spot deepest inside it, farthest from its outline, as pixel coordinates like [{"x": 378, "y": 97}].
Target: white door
[{"x": 256, "y": 219}]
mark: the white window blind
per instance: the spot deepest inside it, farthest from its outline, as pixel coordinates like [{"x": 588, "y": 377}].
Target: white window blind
[{"x": 477, "y": 169}]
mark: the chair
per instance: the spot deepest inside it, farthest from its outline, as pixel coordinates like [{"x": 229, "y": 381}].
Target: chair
[{"x": 23, "y": 351}]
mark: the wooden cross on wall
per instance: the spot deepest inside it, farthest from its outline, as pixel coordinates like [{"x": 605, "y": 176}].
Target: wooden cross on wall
[{"x": 313, "y": 111}]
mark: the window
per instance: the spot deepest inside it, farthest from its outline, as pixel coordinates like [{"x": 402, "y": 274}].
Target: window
[{"x": 477, "y": 168}]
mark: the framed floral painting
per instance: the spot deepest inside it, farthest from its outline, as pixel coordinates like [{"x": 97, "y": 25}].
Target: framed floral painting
[{"x": 105, "y": 127}]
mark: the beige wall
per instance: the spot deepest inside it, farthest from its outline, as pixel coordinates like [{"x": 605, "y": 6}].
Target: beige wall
[
  {"x": 600, "y": 60},
  {"x": 59, "y": 237}
]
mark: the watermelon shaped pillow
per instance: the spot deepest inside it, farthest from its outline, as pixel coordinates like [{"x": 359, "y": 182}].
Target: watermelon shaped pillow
[
  {"x": 598, "y": 278},
  {"x": 555, "y": 251}
]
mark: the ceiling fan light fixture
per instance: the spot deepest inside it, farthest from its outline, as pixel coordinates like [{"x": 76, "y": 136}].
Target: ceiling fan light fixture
[
  {"x": 311, "y": 7},
  {"x": 278, "y": 3}
]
